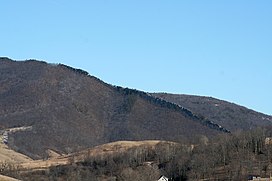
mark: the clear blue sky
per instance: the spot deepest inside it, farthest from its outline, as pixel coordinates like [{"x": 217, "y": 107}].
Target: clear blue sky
[{"x": 214, "y": 48}]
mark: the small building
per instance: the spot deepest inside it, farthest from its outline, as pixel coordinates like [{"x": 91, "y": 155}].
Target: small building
[{"x": 163, "y": 178}]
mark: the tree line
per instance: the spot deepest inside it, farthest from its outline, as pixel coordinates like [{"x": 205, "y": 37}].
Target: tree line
[{"x": 225, "y": 157}]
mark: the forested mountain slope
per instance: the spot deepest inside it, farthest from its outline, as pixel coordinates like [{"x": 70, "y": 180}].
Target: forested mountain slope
[
  {"x": 69, "y": 110},
  {"x": 229, "y": 115}
]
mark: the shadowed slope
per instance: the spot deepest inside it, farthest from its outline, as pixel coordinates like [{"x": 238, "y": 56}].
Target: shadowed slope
[{"x": 228, "y": 115}]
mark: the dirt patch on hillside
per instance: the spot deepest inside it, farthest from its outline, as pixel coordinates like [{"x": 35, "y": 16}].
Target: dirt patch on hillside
[
  {"x": 10, "y": 156},
  {"x": 6, "y": 178}
]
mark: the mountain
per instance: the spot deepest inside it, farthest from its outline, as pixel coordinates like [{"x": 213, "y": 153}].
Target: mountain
[
  {"x": 56, "y": 107},
  {"x": 229, "y": 115}
]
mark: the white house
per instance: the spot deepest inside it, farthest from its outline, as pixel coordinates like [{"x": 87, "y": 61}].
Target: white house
[{"x": 163, "y": 178}]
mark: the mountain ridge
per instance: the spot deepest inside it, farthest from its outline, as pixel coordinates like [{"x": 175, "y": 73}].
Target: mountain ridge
[
  {"x": 70, "y": 110},
  {"x": 218, "y": 109}
]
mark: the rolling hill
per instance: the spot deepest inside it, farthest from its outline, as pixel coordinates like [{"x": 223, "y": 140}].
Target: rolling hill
[{"x": 122, "y": 160}]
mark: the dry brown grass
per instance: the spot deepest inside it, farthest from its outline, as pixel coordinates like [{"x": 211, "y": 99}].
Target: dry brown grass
[
  {"x": 6, "y": 178},
  {"x": 105, "y": 149},
  {"x": 10, "y": 156}
]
